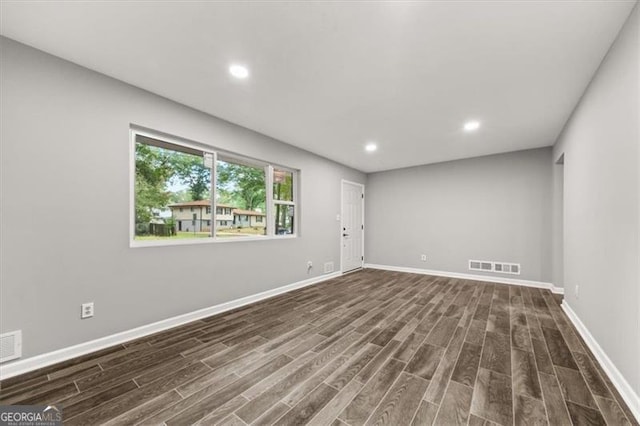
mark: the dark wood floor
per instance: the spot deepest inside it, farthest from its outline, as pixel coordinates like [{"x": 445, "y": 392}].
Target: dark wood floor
[{"x": 372, "y": 347}]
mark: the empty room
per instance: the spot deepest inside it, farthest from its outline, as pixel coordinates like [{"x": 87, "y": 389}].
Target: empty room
[{"x": 319, "y": 212}]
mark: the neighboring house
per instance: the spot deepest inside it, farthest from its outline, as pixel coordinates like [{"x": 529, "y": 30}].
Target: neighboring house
[
  {"x": 224, "y": 215},
  {"x": 195, "y": 216},
  {"x": 192, "y": 216},
  {"x": 248, "y": 218}
]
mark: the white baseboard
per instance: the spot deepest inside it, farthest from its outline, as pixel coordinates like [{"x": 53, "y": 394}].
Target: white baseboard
[
  {"x": 485, "y": 278},
  {"x": 626, "y": 391},
  {"x": 29, "y": 364}
]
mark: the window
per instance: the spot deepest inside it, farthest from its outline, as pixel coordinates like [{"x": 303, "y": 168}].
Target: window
[
  {"x": 174, "y": 193},
  {"x": 283, "y": 201},
  {"x": 241, "y": 184},
  {"x": 169, "y": 177}
]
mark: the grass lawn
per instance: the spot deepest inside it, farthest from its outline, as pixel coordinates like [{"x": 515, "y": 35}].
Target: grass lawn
[
  {"x": 180, "y": 236},
  {"x": 223, "y": 233},
  {"x": 239, "y": 232}
]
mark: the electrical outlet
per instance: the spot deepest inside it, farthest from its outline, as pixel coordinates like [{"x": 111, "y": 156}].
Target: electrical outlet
[
  {"x": 577, "y": 291},
  {"x": 87, "y": 310},
  {"x": 423, "y": 257}
]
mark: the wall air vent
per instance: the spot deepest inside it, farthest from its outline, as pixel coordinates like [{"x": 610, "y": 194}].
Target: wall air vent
[
  {"x": 492, "y": 266},
  {"x": 10, "y": 345},
  {"x": 507, "y": 268},
  {"x": 328, "y": 267}
]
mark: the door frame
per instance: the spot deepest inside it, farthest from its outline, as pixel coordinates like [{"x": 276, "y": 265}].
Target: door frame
[{"x": 342, "y": 182}]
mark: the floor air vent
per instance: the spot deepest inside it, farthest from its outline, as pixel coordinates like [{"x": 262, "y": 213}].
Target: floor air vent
[{"x": 10, "y": 345}]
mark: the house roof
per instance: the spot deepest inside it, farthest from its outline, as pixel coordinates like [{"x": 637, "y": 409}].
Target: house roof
[
  {"x": 247, "y": 212},
  {"x": 199, "y": 203},
  {"x": 207, "y": 203}
]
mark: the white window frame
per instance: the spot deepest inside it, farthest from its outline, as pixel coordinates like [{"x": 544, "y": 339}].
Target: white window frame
[
  {"x": 218, "y": 154},
  {"x": 294, "y": 203}
]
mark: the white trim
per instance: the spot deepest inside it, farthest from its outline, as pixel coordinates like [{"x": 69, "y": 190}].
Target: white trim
[
  {"x": 214, "y": 203},
  {"x": 624, "y": 388},
  {"x": 485, "y": 278},
  {"x": 132, "y": 185},
  {"x": 268, "y": 205},
  {"x": 207, "y": 240},
  {"x": 39, "y": 361},
  {"x": 342, "y": 182},
  {"x": 295, "y": 176},
  {"x": 341, "y": 219}
]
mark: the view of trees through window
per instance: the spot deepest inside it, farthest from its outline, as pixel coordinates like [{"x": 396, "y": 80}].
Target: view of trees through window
[
  {"x": 283, "y": 201},
  {"x": 241, "y": 190},
  {"x": 165, "y": 178},
  {"x": 173, "y": 195}
]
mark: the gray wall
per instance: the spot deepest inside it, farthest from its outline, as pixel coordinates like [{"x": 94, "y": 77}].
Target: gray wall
[
  {"x": 65, "y": 172},
  {"x": 601, "y": 190},
  {"x": 489, "y": 208},
  {"x": 557, "y": 224}
]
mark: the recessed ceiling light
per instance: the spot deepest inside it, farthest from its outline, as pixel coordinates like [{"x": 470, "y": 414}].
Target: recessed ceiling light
[
  {"x": 370, "y": 147},
  {"x": 470, "y": 126},
  {"x": 239, "y": 71}
]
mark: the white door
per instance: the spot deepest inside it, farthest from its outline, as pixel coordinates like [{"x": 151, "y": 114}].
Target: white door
[{"x": 352, "y": 226}]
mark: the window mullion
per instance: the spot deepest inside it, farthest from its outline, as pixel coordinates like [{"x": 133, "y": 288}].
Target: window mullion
[
  {"x": 296, "y": 205},
  {"x": 269, "y": 200},
  {"x": 214, "y": 177}
]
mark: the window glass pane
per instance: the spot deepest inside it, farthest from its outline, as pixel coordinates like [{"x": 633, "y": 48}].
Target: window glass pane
[
  {"x": 172, "y": 192},
  {"x": 284, "y": 215},
  {"x": 240, "y": 196},
  {"x": 282, "y": 185}
]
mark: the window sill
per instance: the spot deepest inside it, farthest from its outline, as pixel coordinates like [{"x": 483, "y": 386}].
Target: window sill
[{"x": 198, "y": 241}]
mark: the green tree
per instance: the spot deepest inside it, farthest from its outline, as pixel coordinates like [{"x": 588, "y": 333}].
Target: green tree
[
  {"x": 153, "y": 170},
  {"x": 283, "y": 185},
  {"x": 190, "y": 170},
  {"x": 246, "y": 184},
  {"x": 229, "y": 198},
  {"x": 181, "y": 196},
  {"x": 282, "y": 190}
]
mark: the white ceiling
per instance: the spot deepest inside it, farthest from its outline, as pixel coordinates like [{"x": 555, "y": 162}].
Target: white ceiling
[{"x": 329, "y": 77}]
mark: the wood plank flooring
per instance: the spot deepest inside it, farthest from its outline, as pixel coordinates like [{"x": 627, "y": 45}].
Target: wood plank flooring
[{"x": 371, "y": 347}]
